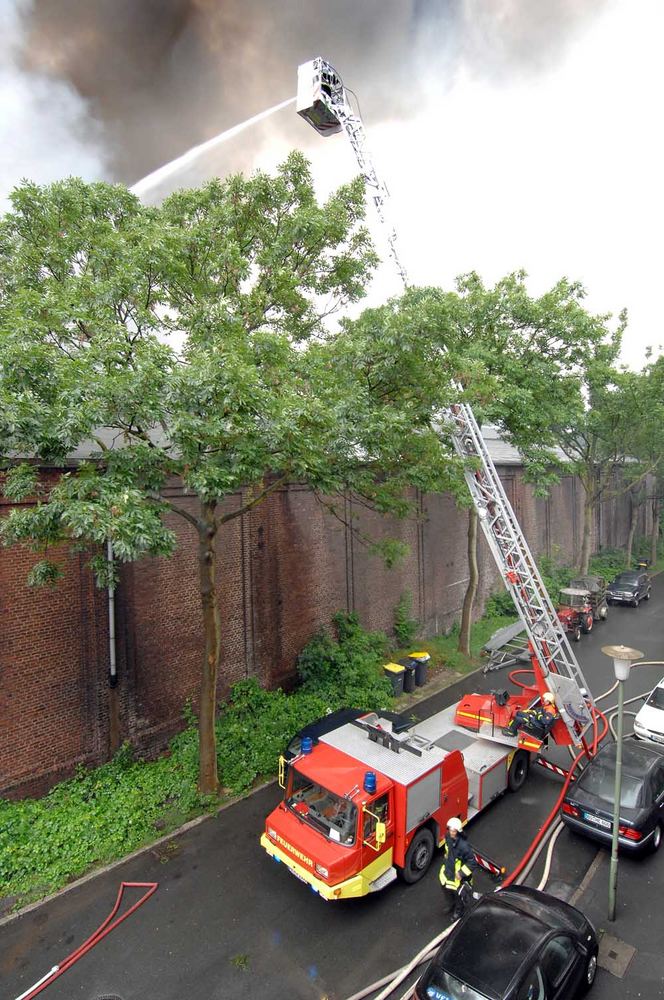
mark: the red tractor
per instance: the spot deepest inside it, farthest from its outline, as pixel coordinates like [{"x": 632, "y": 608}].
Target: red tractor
[{"x": 575, "y": 611}]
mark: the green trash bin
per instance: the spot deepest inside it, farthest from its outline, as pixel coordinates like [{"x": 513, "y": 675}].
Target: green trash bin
[
  {"x": 421, "y": 661},
  {"x": 395, "y": 672}
]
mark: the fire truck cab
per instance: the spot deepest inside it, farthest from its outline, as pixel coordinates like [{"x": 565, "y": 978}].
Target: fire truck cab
[{"x": 366, "y": 804}]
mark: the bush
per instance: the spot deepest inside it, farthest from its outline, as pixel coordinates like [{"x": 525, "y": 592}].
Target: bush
[
  {"x": 608, "y": 562},
  {"x": 405, "y": 627},
  {"x": 346, "y": 670},
  {"x": 500, "y": 605},
  {"x": 95, "y": 817},
  {"x": 255, "y": 727}
]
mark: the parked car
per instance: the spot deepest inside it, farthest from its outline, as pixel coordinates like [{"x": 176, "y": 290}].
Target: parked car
[
  {"x": 575, "y": 612},
  {"x": 515, "y": 944},
  {"x": 588, "y": 805},
  {"x": 629, "y": 587},
  {"x": 649, "y": 721},
  {"x": 596, "y": 587}
]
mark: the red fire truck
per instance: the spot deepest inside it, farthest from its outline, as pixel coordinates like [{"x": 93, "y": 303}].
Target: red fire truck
[{"x": 365, "y": 803}]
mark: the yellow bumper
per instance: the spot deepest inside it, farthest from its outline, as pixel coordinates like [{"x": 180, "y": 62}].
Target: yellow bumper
[{"x": 353, "y": 887}]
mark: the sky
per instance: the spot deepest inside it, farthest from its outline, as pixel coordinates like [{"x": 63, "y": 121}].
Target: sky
[{"x": 512, "y": 134}]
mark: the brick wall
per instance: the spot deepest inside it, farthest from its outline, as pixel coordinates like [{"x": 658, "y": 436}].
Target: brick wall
[{"x": 283, "y": 571}]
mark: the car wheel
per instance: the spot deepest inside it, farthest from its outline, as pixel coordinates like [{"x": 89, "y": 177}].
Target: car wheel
[
  {"x": 647, "y": 596},
  {"x": 656, "y": 841},
  {"x": 419, "y": 856},
  {"x": 518, "y": 771},
  {"x": 635, "y": 602},
  {"x": 603, "y": 611},
  {"x": 576, "y": 635},
  {"x": 589, "y": 973}
]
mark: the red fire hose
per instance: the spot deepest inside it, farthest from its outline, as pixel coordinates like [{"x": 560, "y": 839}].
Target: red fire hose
[
  {"x": 598, "y": 737},
  {"x": 108, "y": 925}
]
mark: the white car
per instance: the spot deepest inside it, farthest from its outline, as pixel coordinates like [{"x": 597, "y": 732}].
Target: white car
[{"x": 649, "y": 721}]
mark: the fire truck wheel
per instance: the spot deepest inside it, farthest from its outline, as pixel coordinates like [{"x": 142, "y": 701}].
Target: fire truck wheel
[
  {"x": 419, "y": 856},
  {"x": 587, "y": 624},
  {"x": 576, "y": 634},
  {"x": 518, "y": 771}
]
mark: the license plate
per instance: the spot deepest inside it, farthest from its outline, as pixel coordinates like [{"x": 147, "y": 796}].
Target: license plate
[{"x": 598, "y": 821}]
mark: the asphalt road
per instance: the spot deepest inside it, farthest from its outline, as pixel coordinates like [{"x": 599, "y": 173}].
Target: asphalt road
[{"x": 227, "y": 922}]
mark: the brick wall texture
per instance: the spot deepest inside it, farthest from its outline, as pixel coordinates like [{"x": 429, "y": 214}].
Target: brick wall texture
[{"x": 283, "y": 570}]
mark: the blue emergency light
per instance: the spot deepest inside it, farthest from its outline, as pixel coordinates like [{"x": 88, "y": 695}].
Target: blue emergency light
[
  {"x": 370, "y": 782},
  {"x": 307, "y": 744}
]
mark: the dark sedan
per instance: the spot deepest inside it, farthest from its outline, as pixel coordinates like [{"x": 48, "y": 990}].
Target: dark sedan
[
  {"x": 588, "y": 805},
  {"x": 515, "y": 944},
  {"x": 629, "y": 587}
]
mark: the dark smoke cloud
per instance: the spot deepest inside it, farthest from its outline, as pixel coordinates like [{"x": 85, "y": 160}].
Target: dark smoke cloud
[{"x": 163, "y": 75}]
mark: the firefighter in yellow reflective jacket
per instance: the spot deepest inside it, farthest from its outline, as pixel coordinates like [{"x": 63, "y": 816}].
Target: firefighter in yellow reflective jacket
[{"x": 456, "y": 873}]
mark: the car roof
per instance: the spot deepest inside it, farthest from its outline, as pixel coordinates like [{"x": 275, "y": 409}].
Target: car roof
[
  {"x": 637, "y": 758},
  {"x": 512, "y": 921},
  {"x": 628, "y": 574},
  {"x": 573, "y": 591}
]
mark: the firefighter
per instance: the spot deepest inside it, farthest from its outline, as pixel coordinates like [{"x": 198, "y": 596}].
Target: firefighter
[
  {"x": 537, "y": 720},
  {"x": 456, "y": 873}
]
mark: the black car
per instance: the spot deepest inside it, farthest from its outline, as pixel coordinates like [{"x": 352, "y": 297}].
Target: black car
[
  {"x": 324, "y": 725},
  {"x": 515, "y": 944},
  {"x": 588, "y": 805},
  {"x": 629, "y": 587}
]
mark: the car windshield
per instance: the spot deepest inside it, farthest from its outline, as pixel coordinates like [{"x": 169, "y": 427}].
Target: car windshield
[
  {"x": 443, "y": 986},
  {"x": 629, "y": 579},
  {"x": 656, "y": 699},
  {"x": 600, "y": 778},
  {"x": 332, "y": 815}
]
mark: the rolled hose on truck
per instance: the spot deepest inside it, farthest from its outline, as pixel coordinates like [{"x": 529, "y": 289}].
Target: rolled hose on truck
[{"x": 548, "y": 833}]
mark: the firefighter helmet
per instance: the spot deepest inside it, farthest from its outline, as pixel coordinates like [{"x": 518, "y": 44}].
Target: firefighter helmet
[
  {"x": 454, "y": 823},
  {"x": 548, "y": 698}
]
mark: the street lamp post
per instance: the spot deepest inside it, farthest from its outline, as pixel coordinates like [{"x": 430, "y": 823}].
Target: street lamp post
[{"x": 622, "y": 657}]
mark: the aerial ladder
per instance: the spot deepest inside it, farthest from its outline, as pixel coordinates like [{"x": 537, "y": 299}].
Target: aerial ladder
[{"x": 322, "y": 100}]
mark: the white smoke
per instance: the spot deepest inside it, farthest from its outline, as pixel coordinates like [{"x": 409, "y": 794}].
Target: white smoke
[{"x": 46, "y": 130}]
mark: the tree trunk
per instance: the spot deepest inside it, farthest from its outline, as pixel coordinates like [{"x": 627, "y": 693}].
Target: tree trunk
[
  {"x": 634, "y": 513},
  {"x": 208, "y": 780},
  {"x": 471, "y": 590},
  {"x": 654, "y": 534},
  {"x": 586, "y": 545}
]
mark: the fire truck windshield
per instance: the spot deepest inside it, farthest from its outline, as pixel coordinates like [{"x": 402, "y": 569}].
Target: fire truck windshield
[{"x": 330, "y": 814}]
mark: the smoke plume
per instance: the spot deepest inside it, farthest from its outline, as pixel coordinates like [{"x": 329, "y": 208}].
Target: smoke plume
[
  {"x": 46, "y": 129},
  {"x": 116, "y": 88}
]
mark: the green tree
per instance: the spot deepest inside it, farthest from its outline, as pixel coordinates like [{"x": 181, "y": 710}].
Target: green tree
[
  {"x": 514, "y": 357},
  {"x": 181, "y": 342},
  {"x": 616, "y": 443}
]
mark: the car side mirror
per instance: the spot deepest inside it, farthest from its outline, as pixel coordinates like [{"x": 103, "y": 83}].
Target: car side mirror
[{"x": 381, "y": 833}]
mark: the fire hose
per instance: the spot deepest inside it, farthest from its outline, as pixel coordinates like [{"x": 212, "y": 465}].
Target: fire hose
[{"x": 108, "y": 925}]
